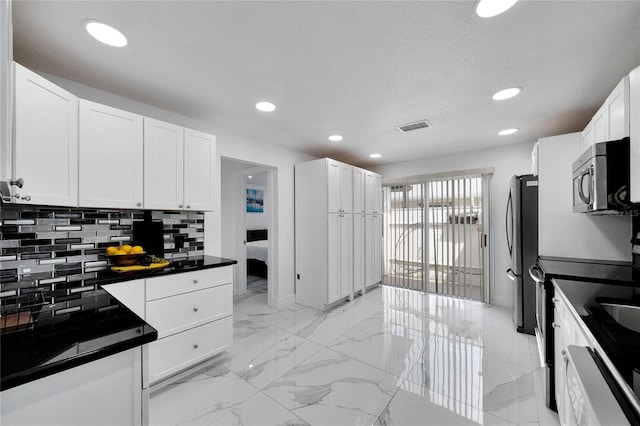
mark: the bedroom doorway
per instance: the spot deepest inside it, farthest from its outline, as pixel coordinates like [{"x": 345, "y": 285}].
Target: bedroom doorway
[{"x": 248, "y": 226}]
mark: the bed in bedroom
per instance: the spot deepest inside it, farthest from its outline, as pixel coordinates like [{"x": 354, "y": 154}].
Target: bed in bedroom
[{"x": 257, "y": 252}]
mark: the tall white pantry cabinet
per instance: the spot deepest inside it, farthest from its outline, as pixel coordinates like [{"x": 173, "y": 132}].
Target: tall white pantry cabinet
[{"x": 337, "y": 239}]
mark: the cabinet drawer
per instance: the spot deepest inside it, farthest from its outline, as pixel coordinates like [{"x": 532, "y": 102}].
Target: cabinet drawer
[
  {"x": 182, "y": 350},
  {"x": 177, "y": 313},
  {"x": 158, "y": 288}
]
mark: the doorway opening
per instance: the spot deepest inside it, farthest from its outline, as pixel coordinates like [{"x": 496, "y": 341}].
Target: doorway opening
[
  {"x": 436, "y": 235},
  {"x": 248, "y": 223}
]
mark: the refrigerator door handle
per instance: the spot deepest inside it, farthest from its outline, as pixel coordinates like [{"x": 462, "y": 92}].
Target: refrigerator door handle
[
  {"x": 511, "y": 275},
  {"x": 536, "y": 274},
  {"x": 506, "y": 224}
]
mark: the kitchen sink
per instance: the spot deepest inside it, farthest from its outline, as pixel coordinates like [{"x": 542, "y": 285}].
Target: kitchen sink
[{"x": 624, "y": 314}]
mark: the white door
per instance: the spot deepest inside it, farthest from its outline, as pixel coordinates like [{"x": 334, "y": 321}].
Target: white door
[
  {"x": 199, "y": 170},
  {"x": 377, "y": 194},
  {"x": 333, "y": 264},
  {"x": 369, "y": 266},
  {"x": 110, "y": 157},
  {"x": 358, "y": 251},
  {"x": 163, "y": 165},
  {"x": 346, "y": 188},
  {"x": 346, "y": 255},
  {"x": 369, "y": 185},
  {"x": 333, "y": 187},
  {"x": 46, "y": 141}
]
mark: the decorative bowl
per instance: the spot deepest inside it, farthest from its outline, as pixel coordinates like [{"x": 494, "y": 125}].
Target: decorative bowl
[{"x": 127, "y": 259}]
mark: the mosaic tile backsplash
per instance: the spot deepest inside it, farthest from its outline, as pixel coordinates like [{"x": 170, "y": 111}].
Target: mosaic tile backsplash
[{"x": 58, "y": 251}]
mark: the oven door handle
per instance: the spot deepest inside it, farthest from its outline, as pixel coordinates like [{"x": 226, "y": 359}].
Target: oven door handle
[
  {"x": 511, "y": 275},
  {"x": 536, "y": 275}
]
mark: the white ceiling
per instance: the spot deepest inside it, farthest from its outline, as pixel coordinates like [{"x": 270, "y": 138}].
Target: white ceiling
[{"x": 354, "y": 68}]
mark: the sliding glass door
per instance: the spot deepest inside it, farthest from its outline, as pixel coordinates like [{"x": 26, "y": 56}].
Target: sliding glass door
[{"x": 435, "y": 235}]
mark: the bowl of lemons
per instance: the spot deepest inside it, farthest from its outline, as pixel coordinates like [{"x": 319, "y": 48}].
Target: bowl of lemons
[{"x": 125, "y": 255}]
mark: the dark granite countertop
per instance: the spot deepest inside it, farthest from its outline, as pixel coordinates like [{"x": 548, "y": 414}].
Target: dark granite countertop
[{"x": 96, "y": 326}]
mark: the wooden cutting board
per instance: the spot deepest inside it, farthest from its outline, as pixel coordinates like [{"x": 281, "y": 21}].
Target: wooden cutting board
[{"x": 140, "y": 267}]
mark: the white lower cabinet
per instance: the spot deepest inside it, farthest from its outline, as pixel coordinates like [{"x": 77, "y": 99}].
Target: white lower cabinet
[
  {"x": 359, "y": 232},
  {"x": 108, "y": 392},
  {"x": 192, "y": 312},
  {"x": 180, "y": 351},
  {"x": 373, "y": 249}
]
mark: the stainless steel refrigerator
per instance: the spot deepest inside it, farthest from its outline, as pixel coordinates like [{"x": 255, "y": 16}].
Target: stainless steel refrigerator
[{"x": 522, "y": 241}]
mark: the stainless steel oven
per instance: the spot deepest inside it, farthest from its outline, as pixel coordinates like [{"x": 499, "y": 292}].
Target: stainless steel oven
[{"x": 544, "y": 331}]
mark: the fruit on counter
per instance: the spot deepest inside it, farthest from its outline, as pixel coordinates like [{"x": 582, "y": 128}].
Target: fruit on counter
[
  {"x": 150, "y": 258},
  {"x": 120, "y": 253},
  {"x": 126, "y": 248},
  {"x": 111, "y": 250},
  {"x": 137, "y": 250}
]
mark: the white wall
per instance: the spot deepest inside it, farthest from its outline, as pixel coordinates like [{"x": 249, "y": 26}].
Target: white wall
[
  {"x": 563, "y": 233},
  {"x": 230, "y": 144},
  {"x": 506, "y": 161},
  {"x": 6, "y": 55}
]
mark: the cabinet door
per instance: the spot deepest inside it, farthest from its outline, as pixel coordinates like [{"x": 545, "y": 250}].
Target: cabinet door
[
  {"x": 333, "y": 187},
  {"x": 377, "y": 194},
  {"x": 587, "y": 137},
  {"x": 199, "y": 170},
  {"x": 377, "y": 248},
  {"x": 110, "y": 157},
  {"x": 358, "y": 251},
  {"x": 617, "y": 108},
  {"x": 600, "y": 126},
  {"x": 559, "y": 370},
  {"x": 346, "y": 255},
  {"x": 369, "y": 185},
  {"x": 163, "y": 165},
  {"x": 358, "y": 191},
  {"x": 369, "y": 255},
  {"x": 333, "y": 264},
  {"x": 46, "y": 141},
  {"x": 346, "y": 188},
  {"x": 634, "y": 133}
]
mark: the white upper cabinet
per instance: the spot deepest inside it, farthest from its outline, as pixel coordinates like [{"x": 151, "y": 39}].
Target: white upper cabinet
[
  {"x": 611, "y": 121},
  {"x": 634, "y": 132},
  {"x": 199, "y": 170},
  {"x": 111, "y": 157},
  {"x": 373, "y": 193},
  {"x": 163, "y": 165},
  {"x": 340, "y": 187},
  {"x": 358, "y": 190},
  {"x": 46, "y": 141}
]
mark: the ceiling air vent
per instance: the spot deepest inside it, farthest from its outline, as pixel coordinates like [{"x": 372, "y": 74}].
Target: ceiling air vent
[{"x": 422, "y": 124}]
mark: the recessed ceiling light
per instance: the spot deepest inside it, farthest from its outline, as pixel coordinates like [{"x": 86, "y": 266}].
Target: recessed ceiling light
[
  {"x": 105, "y": 33},
  {"x": 506, "y": 93},
  {"x": 250, "y": 177},
  {"x": 335, "y": 138},
  {"x": 265, "y": 106},
  {"x": 507, "y": 132},
  {"x": 490, "y": 8},
  {"x": 375, "y": 155}
]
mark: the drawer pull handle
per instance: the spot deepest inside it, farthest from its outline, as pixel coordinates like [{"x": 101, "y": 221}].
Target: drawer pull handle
[
  {"x": 195, "y": 346},
  {"x": 195, "y": 309},
  {"x": 195, "y": 281},
  {"x": 554, "y": 325}
]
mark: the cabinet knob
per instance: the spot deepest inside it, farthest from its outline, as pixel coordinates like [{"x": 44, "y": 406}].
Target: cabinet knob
[
  {"x": 564, "y": 355},
  {"x": 27, "y": 198},
  {"x": 188, "y": 206},
  {"x": 195, "y": 281},
  {"x": 138, "y": 204},
  {"x": 19, "y": 182},
  {"x": 554, "y": 300},
  {"x": 195, "y": 309},
  {"x": 195, "y": 346},
  {"x": 180, "y": 205},
  {"x": 554, "y": 325}
]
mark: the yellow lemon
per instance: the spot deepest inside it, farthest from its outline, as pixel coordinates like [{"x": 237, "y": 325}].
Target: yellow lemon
[
  {"x": 120, "y": 252},
  {"x": 126, "y": 248},
  {"x": 137, "y": 250},
  {"x": 112, "y": 250}
]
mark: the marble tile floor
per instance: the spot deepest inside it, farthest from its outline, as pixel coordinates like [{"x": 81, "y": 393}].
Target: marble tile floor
[{"x": 390, "y": 357}]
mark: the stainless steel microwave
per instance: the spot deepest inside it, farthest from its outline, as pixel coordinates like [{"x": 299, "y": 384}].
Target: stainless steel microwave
[{"x": 601, "y": 178}]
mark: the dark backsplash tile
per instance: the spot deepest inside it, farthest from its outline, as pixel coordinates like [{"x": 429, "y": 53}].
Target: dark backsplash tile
[{"x": 59, "y": 249}]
